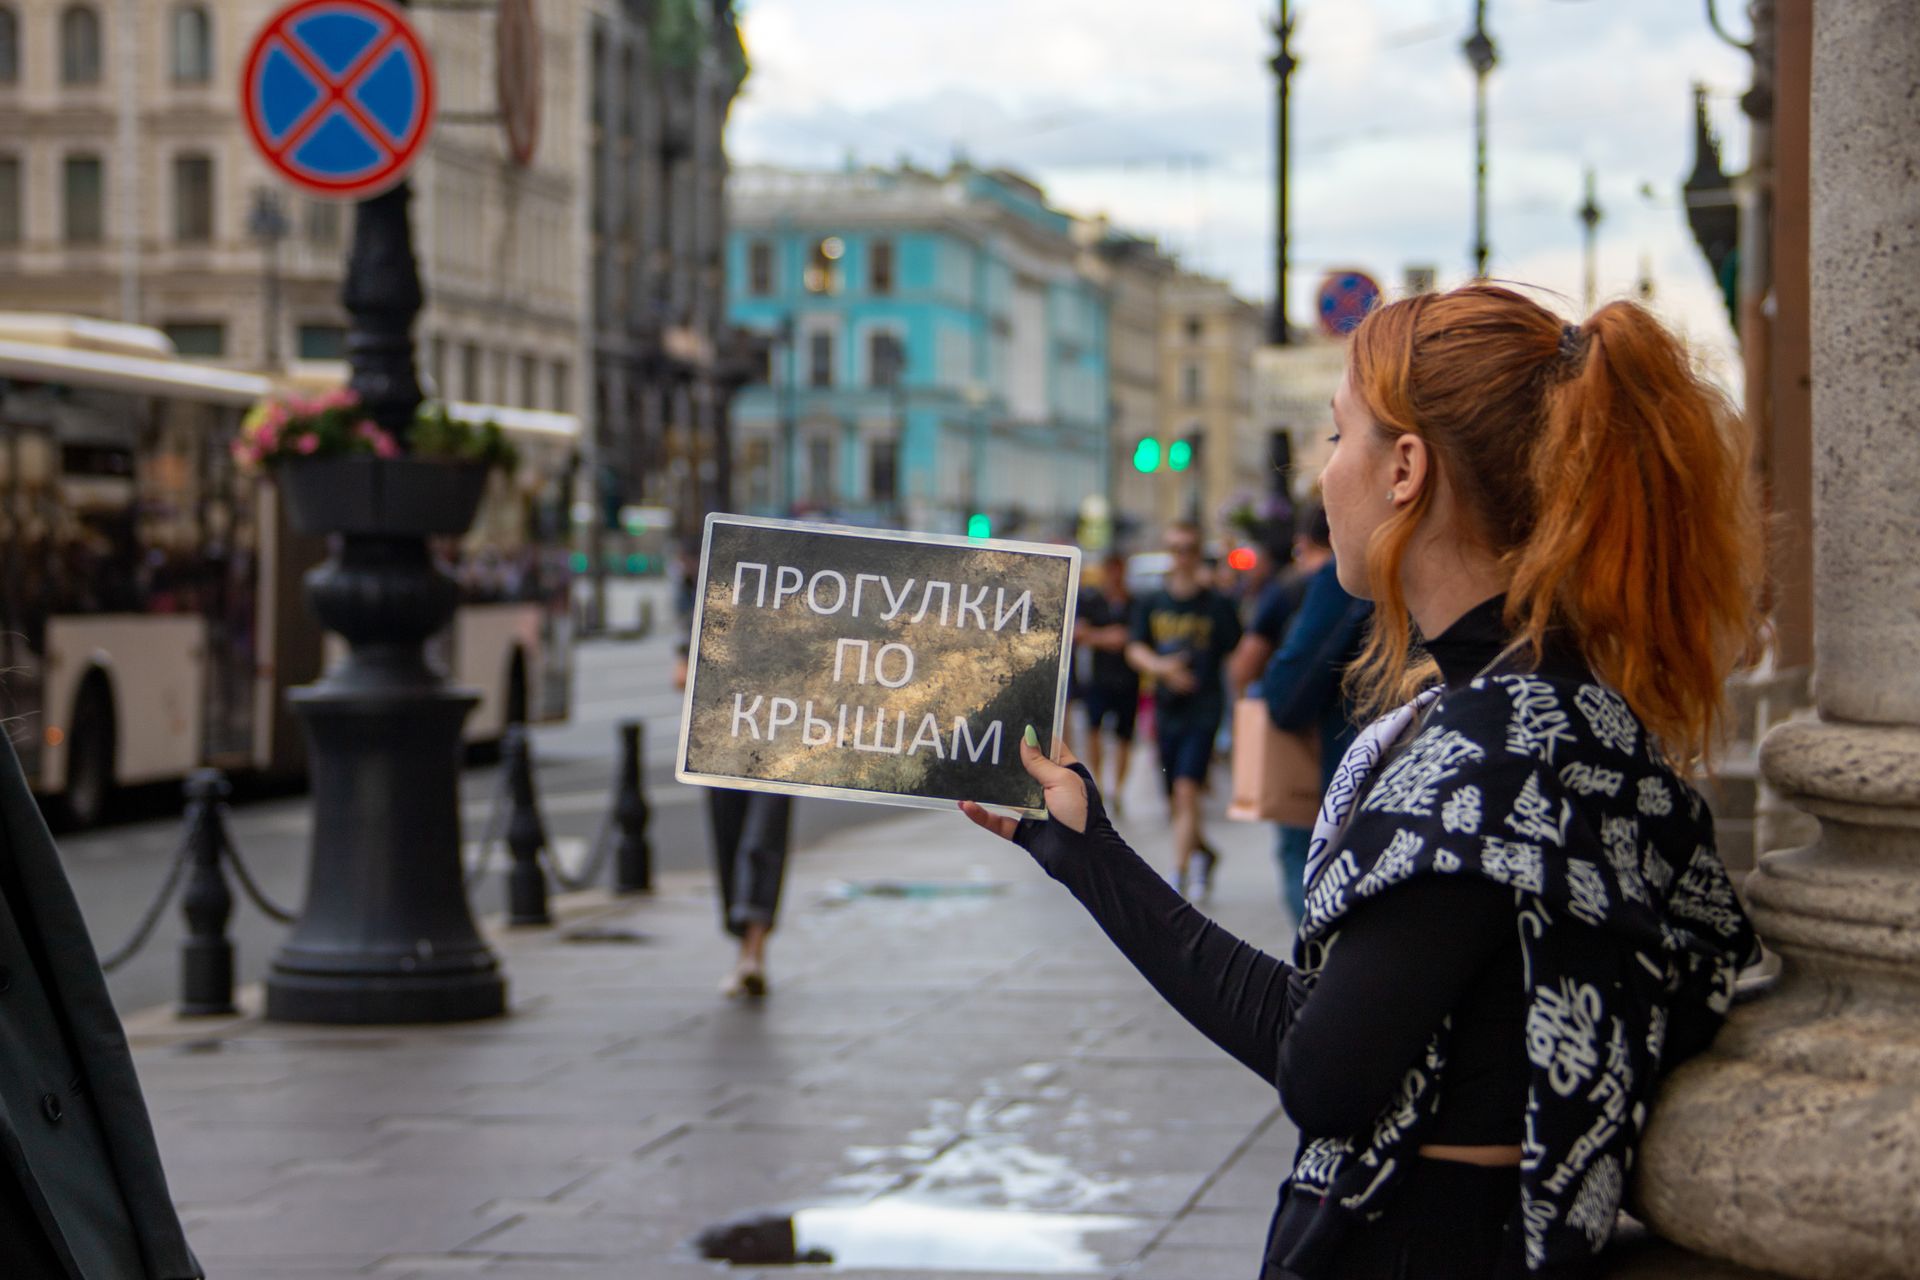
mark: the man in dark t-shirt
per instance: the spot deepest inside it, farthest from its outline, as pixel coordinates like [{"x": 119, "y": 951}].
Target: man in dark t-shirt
[
  {"x": 1110, "y": 688},
  {"x": 1182, "y": 635}
]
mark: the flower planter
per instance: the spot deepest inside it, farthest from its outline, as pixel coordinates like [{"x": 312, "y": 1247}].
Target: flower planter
[{"x": 381, "y": 497}]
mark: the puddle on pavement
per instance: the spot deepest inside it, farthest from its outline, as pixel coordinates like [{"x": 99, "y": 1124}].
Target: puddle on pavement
[
  {"x": 847, "y": 891},
  {"x": 913, "y": 1235},
  {"x": 605, "y": 936}
]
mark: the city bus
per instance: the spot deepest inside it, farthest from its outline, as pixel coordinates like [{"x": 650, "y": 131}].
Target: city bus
[{"x": 152, "y": 616}]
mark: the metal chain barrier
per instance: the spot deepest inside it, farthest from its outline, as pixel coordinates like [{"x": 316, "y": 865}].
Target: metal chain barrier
[
  {"x": 248, "y": 885},
  {"x": 151, "y": 917},
  {"x": 598, "y": 852}
]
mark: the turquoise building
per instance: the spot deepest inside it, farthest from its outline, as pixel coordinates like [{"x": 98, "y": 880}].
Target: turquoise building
[{"x": 939, "y": 351}]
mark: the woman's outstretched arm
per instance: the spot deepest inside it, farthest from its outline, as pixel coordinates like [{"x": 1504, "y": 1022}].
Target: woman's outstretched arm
[
  {"x": 1402, "y": 963},
  {"x": 1233, "y": 993}
]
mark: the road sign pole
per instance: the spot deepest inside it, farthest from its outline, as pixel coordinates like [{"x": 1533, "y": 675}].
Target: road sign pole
[
  {"x": 382, "y": 296},
  {"x": 386, "y": 935}
]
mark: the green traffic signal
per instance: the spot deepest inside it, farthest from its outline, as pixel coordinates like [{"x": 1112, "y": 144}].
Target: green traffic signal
[
  {"x": 1146, "y": 455},
  {"x": 978, "y": 526},
  {"x": 1180, "y": 455}
]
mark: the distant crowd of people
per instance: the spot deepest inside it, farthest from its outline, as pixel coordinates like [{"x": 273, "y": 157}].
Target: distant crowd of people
[{"x": 1183, "y": 646}]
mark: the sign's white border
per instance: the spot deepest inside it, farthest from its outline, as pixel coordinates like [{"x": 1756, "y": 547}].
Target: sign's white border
[{"x": 680, "y": 770}]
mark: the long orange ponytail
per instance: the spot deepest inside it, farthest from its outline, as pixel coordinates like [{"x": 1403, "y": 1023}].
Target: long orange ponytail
[{"x": 1604, "y": 470}]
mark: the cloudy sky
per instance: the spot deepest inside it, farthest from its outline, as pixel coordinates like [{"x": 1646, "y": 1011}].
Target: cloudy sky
[{"x": 1161, "y": 115}]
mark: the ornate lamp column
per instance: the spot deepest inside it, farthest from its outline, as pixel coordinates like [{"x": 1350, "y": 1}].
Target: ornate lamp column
[
  {"x": 386, "y": 935},
  {"x": 1794, "y": 1146}
]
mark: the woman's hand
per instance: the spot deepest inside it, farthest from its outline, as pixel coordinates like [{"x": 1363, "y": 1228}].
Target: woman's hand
[{"x": 1065, "y": 791}]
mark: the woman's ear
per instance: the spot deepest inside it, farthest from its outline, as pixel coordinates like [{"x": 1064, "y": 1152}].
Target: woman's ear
[{"x": 1412, "y": 467}]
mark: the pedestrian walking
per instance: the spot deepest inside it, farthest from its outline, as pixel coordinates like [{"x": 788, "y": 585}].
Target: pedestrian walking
[
  {"x": 751, "y": 834},
  {"x": 1532, "y": 924},
  {"x": 1280, "y": 621},
  {"x": 1182, "y": 635},
  {"x": 1103, "y": 625},
  {"x": 82, "y": 1193}
]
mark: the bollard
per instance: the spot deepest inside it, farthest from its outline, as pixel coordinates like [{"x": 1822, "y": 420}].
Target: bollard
[
  {"x": 526, "y": 835},
  {"x": 206, "y": 957},
  {"x": 633, "y": 860}
]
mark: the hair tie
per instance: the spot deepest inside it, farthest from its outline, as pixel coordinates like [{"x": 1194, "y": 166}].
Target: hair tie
[{"x": 1570, "y": 343}]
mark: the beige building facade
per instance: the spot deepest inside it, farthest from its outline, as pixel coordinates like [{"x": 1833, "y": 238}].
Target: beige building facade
[
  {"x": 1207, "y": 342},
  {"x": 130, "y": 190},
  {"x": 1133, "y": 272},
  {"x": 1293, "y": 390}
]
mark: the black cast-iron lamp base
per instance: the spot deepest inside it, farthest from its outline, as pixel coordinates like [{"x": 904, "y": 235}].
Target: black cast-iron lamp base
[{"x": 386, "y": 935}]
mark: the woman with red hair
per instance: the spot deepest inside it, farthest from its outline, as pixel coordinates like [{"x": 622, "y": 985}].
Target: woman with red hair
[{"x": 1516, "y": 918}]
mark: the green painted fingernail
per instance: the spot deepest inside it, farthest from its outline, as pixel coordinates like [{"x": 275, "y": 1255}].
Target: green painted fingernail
[{"x": 1033, "y": 739}]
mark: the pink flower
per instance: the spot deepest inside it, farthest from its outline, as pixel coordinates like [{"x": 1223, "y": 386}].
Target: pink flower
[
  {"x": 386, "y": 446},
  {"x": 335, "y": 398},
  {"x": 307, "y": 443},
  {"x": 268, "y": 436},
  {"x": 274, "y": 418}
]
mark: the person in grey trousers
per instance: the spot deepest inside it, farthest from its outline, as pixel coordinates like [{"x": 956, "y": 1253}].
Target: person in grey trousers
[{"x": 751, "y": 832}]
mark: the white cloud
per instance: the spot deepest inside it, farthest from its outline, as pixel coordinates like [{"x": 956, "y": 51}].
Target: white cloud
[{"x": 1161, "y": 116}]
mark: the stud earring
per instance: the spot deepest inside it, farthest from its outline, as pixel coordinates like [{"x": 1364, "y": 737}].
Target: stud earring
[{"x": 1392, "y": 496}]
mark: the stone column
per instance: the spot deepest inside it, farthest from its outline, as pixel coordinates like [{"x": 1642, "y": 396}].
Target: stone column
[{"x": 1794, "y": 1146}]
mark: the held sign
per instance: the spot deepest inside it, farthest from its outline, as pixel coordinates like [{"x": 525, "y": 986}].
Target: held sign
[
  {"x": 893, "y": 668},
  {"x": 338, "y": 95}
]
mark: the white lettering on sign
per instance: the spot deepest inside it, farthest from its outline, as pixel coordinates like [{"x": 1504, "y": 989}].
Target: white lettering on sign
[
  {"x": 880, "y": 662},
  {"x": 760, "y": 591}
]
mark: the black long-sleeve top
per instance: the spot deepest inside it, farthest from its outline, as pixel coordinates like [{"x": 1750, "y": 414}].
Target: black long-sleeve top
[{"x": 1426, "y": 950}]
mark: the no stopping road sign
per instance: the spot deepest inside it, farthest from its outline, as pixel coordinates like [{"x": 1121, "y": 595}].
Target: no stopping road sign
[{"x": 338, "y": 95}]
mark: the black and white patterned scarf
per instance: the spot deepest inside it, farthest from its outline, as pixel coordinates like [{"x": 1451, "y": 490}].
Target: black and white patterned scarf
[{"x": 1553, "y": 787}]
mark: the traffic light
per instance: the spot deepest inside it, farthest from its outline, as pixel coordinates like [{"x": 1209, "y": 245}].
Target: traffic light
[
  {"x": 1146, "y": 455},
  {"x": 978, "y": 526},
  {"x": 1180, "y": 454}
]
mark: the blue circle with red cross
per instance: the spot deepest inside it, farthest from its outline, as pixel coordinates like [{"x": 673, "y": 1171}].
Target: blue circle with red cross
[
  {"x": 338, "y": 95},
  {"x": 1345, "y": 298}
]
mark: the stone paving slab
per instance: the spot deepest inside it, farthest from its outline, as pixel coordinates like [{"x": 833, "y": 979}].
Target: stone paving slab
[{"x": 976, "y": 1049}]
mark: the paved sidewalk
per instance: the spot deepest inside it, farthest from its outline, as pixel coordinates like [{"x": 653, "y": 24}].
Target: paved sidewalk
[{"x": 980, "y": 1048}]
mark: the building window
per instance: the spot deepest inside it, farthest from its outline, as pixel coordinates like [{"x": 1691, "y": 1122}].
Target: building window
[
  {"x": 323, "y": 223},
  {"x": 880, "y": 266},
  {"x": 437, "y": 368},
  {"x": 500, "y": 371},
  {"x": 882, "y": 470},
  {"x": 886, "y": 359},
  {"x": 819, "y": 359},
  {"x": 193, "y": 199},
  {"x": 79, "y": 45},
  {"x": 529, "y": 382},
  {"x": 820, "y": 470},
  {"x": 205, "y": 339},
  {"x": 85, "y": 200},
  {"x": 10, "y": 201},
  {"x": 562, "y": 379},
  {"x": 9, "y": 45},
  {"x": 760, "y": 269},
  {"x": 323, "y": 342},
  {"x": 469, "y": 372},
  {"x": 823, "y": 265},
  {"x": 1194, "y": 328},
  {"x": 192, "y": 45},
  {"x": 1190, "y": 384}
]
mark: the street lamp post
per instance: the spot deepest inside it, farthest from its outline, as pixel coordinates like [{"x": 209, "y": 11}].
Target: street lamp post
[
  {"x": 1283, "y": 65},
  {"x": 890, "y": 371},
  {"x": 785, "y": 393},
  {"x": 267, "y": 223},
  {"x": 1590, "y": 214},
  {"x": 385, "y": 935},
  {"x": 1482, "y": 57}
]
